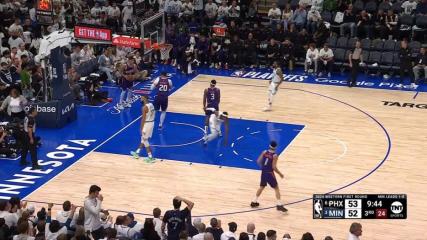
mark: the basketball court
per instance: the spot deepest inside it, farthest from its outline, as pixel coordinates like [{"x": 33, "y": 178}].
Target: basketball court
[{"x": 332, "y": 139}]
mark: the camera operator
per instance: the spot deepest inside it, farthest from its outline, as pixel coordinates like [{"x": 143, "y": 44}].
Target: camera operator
[
  {"x": 29, "y": 140},
  {"x": 94, "y": 94},
  {"x": 5, "y": 150}
]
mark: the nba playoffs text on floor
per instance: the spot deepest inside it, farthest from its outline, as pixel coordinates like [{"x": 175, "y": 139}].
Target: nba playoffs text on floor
[{"x": 359, "y": 206}]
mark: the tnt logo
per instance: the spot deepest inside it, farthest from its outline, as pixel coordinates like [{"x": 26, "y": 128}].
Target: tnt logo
[{"x": 396, "y": 207}]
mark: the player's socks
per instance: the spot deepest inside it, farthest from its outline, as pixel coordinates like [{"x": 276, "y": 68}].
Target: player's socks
[
  {"x": 162, "y": 119},
  {"x": 206, "y": 130}
]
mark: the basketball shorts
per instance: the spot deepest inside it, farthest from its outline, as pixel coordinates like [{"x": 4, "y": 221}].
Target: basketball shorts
[
  {"x": 273, "y": 88},
  {"x": 268, "y": 178},
  {"x": 125, "y": 85},
  {"x": 161, "y": 103},
  {"x": 208, "y": 111},
  {"x": 147, "y": 131}
]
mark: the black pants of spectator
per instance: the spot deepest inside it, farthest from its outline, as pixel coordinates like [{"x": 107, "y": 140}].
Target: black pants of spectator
[
  {"x": 355, "y": 69},
  {"x": 251, "y": 58},
  {"x": 289, "y": 63},
  {"x": 202, "y": 57},
  {"x": 366, "y": 30},
  {"x": 19, "y": 115},
  {"x": 406, "y": 67},
  {"x": 325, "y": 67},
  {"x": 27, "y": 146},
  {"x": 98, "y": 233},
  {"x": 235, "y": 60}
]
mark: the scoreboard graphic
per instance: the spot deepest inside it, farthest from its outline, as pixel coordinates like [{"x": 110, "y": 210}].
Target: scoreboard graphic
[{"x": 359, "y": 206}]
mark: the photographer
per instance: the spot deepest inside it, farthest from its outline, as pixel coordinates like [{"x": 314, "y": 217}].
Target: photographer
[
  {"x": 5, "y": 150},
  {"x": 92, "y": 92}
]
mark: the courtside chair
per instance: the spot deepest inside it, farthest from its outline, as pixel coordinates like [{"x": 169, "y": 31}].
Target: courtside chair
[
  {"x": 332, "y": 41},
  {"x": 339, "y": 57},
  {"x": 414, "y": 46},
  {"x": 386, "y": 62},
  {"x": 342, "y": 42},
  {"x": 377, "y": 45},
  {"x": 351, "y": 43},
  {"x": 390, "y": 45},
  {"x": 374, "y": 58},
  {"x": 366, "y": 43}
]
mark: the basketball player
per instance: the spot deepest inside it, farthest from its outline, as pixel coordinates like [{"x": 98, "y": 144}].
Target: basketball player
[
  {"x": 215, "y": 121},
  {"x": 267, "y": 160},
  {"x": 126, "y": 82},
  {"x": 211, "y": 99},
  {"x": 318, "y": 208},
  {"x": 147, "y": 125},
  {"x": 163, "y": 85},
  {"x": 274, "y": 84}
]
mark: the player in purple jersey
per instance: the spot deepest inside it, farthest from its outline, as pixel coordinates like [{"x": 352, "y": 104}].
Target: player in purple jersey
[
  {"x": 211, "y": 99},
  {"x": 163, "y": 85},
  {"x": 267, "y": 160},
  {"x": 127, "y": 73}
]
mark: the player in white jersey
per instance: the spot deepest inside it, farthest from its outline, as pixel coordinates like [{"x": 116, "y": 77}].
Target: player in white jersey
[
  {"x": 215, "y": 121},
  {"x": 147, "y": 126},
  {"x": 275, "y": 82}
]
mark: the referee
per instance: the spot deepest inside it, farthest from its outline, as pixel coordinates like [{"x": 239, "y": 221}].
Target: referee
[
  {"x": 29, "y": 139},
  {"x": 355, "y": 58}
]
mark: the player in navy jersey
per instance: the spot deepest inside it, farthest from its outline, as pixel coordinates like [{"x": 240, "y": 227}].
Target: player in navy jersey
[
  {"x": 163, "y": 85},
  {"x": 176, "y": 219},
  {"x": 126, "y": 82},
  {"x": 267, "y": 160},
  {"x": 211, "y": 99}
]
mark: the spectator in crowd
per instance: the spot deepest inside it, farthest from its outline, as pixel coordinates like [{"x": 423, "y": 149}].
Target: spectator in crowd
[
  {"x": 288, "y": 53},
  {"x": 73, "y": 79},
  {"x": 307, "y": 236},
  {"x": 187, "y": 10},
  {"x": 175, "y": 219},
  {"x": 243, "y": 236},
  {"x": 405, "y": 64},
  {"x": 53, "y": 228},
  {"x": 287, "y": 16},
  {"x": 271, "y": 235},
  {"x": 261, "y": 236},
  {"x": 250, "y": 53},
  {"x": 421, "y": 7},
  {"x": 63, "y": 215},
  {"x": 75, "y": 57},
  {"x": 211, "y": 10},
  {"x": 391, "y": 21},
  {"x": 313, "y": 19},
  {"x": 409, "y": 6},
  {"x": 250, "y": 230},
  {"x": 364, "y": 24},
  {"x": 274, "y": 14},
  {"x": 215, "y": 229},
  {"x": 381, "y": 28},
  {"x": 234, "y": 11},
  {"x": 127, "y": 12},
  {"x": 149, "y": 232},
  {"x": 106, "y": 64},
  {"x": 208, "y": 236},
  {"x": 14, "y": 104},
  {"x": 222, "y": 14},
  {"x": 86, "y": 53},
  {"x": 355, "y": 231},
  {"x": 326, "y": 59},
  {"x": 299, "y": 17},
  {"x": 201, "y": 228},
  {"x": 348, "y": 22},
  {"x": 385, "y": 5},
  {"x": 311, "y": 58},
  {"x": 420, "y": 65},
  {"x": 286, "y": 236},
  {"x": 273, "y": 52},
  {"x": 231, "y": 233},
  {"x": 157, "y": 221},
  {"x": 135, "y": 226},
  {"x": 92, "y": 209}
]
